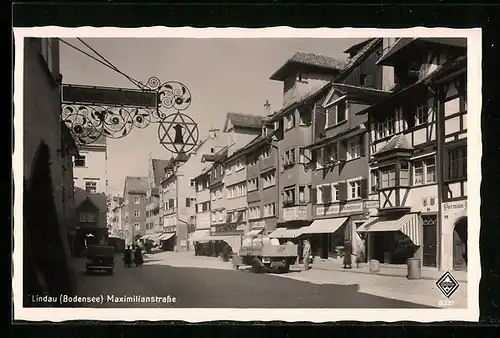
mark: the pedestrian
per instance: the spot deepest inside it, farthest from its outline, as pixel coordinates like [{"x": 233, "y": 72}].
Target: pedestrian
[
  {"x": 138, "y": 259},
  {"x": 306, "y": 254},
  {"x": 300, "y": 251},
  {"x": 127, "y": 257},
  {"x": 347, "y": 254}
]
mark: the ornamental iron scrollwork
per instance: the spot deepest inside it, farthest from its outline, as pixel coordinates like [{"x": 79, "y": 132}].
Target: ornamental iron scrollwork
[{"x": 89, "y": 122}]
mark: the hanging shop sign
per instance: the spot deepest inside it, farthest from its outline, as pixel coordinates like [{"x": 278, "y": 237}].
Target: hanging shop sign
[{"x": 72, "y": 94}]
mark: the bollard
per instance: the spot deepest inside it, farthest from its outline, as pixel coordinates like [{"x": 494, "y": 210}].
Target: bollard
[
  {"x": 374, "y": 266},
  {"x": 414, "y": 269}
]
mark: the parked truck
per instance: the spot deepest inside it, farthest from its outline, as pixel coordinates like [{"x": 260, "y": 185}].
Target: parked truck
[{"x": 266, "y": 255}]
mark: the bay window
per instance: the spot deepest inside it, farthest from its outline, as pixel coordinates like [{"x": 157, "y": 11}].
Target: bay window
[
  {"x": 388, "y": 177},
  {"x": 289, "y": 196},
  {"x": 404, "y": 173}
]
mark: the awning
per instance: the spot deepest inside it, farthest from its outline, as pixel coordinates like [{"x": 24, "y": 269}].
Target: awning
[
  {"x": 233, "y": 241},
  {"x": 253, "y": 233},
  {"x": 408, "y": 224},
  {"x": 198, "y": 235},
  {"x": 323, "y": 226},
  {"x": 284, "y": 233},
  {"x": 154, "y": 237},
  {"x": 146, "y": 236},
  {"x": 166, "y": 236}
]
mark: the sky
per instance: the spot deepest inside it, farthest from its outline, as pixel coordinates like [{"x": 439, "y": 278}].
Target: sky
[{"x": 222, "y": 74}]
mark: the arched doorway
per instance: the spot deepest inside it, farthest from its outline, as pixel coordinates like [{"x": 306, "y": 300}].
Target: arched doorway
[{"x": 460, "y": 244}]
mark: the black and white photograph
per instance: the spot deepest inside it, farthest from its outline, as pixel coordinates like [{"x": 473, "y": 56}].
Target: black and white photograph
[{"x": 332, "y": 171}]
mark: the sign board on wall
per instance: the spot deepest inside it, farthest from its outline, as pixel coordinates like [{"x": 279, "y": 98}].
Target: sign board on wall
[
  {"x": 454, "y": 207},
  {"x": 170, "y": 229},
  {"x": 257, "y": 224},
  {"x": 294, "y": 213},
  {"x": 334, "y": 209}
]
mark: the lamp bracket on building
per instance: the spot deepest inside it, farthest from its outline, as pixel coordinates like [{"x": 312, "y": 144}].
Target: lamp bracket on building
[{"x": 92, "y": 112}]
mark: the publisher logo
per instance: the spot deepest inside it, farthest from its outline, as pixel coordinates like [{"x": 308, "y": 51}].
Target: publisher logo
[{"x": 447, "y": 284}]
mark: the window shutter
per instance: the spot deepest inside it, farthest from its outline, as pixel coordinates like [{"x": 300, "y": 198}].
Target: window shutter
[
  {"x": 342, "y": 191},
  {"x": 326, "y": 192},
  {"x": 188, "y": 202},
  {"x": 330, "y": 116},
  {"x": 364, "y": 188},
  {"x": 342, "y": 151},
  {"x": 171, "y": 203},
  {"x": 313, "y": 197},
  {"x": 362, "y": 145}
]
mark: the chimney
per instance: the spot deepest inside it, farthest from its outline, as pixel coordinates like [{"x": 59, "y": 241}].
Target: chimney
[
  {"x": 267, "y": 108},
  {"x": 212, "y": 133}
]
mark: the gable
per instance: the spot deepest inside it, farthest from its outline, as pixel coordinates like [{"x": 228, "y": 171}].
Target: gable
[
  {"x": 86, "y": 205},
  {"x": 229, "y": 125},
  {"x": 332, "y": 97}
]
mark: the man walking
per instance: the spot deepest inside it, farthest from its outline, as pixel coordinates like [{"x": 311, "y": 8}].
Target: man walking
[{"x": 306, "y": 254}]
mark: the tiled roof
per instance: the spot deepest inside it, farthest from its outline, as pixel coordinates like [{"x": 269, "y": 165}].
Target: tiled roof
[
  {"x": 397, "y": 142},
  {"x": 134, "y": 184},
  {"x": 328, "y": 63},
  {"x": 244, "y": 121},
  {"x": 355, "y": 49},
  {"x": 99, "y": 200},
  {"x": 158, "y": 169},
  {"x": 363, "y": 50}
]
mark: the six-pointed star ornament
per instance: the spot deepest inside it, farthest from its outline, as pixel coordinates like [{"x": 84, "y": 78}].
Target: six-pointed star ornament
[{"x": 178, "y": 133}]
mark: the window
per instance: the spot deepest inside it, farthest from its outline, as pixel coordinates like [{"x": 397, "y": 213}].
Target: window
[
  {"x": 330, "y": 153},
  {"x": 404, "y": 173},
  {"x": 335, "y": 192},
  {"x": 214, "y": 217},
  {"x": 289, "y": 157},
  {"x": 386, "y": 128},
  {"x": 137, "y": 213},
  {"x": 221, "y": 216},
  {"x": 374, "y": 181},
  {"x": 289, "y": 196},
  {"x": 269, "y": 210},
  {"x": 191, "y": 183},
  {"x": 188, "y": 202},
  {"x": 336, "y": 113},
  {"x": 457, "y": 163},
  {"x": 230, "y": 192},
  {"x": 326, "y": 193},
  {"x": 266, "y": 152},
  {"x": 354, "y": 189},
  {"x": 240, "y": 165},
  {"x": 319, "y": 158},
  {"x": 388, "y": 178},
  {"x": 80, "y": 161},
  {"x": 304, "y": 155},
  {"x": 137, "y": 200},
  {"x": 213, "y": 195},
  {"x": 429, "y": 220},
  {"x": 289, "y": 121},
  {"x": 88, "y": 216},
  {"x": 254, "y": 212},
  {"x": 305, "y": 118},
  {"x": 219, "y": 193},
  {"x": 268, "y": 180},
  {"x": 229, "y": 169},
  {"x": 91, "y": 187},
  {"x": 302, "y": 194},
  {"x": 424, "y": 171},
  {"x": 253, "y": 184},
  {"x": 137, "y": 226},
  {"x": 422, "y": 114},
  {"x": 353, "y": 149}
]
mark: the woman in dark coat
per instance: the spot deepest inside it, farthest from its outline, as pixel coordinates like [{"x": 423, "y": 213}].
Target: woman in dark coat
[
  {"x": 127, "y": 257},
  {"x": 138, "y": 260},
  {"x": 347, "y": 254}
]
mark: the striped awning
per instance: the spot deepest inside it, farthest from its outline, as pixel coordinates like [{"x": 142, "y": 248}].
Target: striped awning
[
  {"x": 198, "y": 235},
  {"x": 146, "y": 236},
  {"x": 253, "y": 233},
  {"x": 154, "y": 237},
  {"x": 323, "y": 226},
  {"x": 165, "y": 236},
  {"x": 284, "y": 233},
  {"x": 408, "y": 224}
]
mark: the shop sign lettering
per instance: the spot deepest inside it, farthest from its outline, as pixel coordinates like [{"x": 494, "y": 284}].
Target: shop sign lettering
[
  {"x": 372, "y": 204},
  {"x": 339, "y": 209},
  {"x": 452, "y": 207},
  {"x": 294, "y": 213}
]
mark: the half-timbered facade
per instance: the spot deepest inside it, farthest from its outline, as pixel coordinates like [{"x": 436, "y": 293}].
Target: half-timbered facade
[
  {"x": 339, "y": 157},
  {"x": 403, "y": 138}
]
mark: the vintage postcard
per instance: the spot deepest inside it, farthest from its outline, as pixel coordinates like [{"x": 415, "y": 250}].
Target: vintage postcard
[{"x": 274, "y": 174}]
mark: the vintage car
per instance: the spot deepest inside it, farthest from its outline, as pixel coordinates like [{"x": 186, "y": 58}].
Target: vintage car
[{"x": 100, "y": 258}]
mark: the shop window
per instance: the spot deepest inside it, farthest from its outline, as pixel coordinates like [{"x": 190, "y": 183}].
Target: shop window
[{"x": 456, "y": 163}]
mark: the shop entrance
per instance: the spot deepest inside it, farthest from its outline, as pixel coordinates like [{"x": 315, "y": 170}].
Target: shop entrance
[{"x": 460, "y": 244}]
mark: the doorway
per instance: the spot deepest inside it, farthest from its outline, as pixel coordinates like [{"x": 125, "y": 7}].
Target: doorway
[
  {"x": 429, "y": 240},
  {"x": 460, "y": 244}
]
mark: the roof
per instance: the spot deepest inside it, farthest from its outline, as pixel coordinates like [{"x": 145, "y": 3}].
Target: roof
[
  {"x": 397, "y": 142},
  {"x": 326, "y": 63},
  {"x": 98, "y": 200},
  {"x": 181, "y": 157},
  {"x": 158, "y": 169},
  {"x": 446, "y": 68},
  {"x": 136, "y": 185},
  {"x": 354, "y": 49},
  {"x": 244, "y": 121},
  {"x": 361, "y": 50},
  {"x": 170, "y": 164},
  {"x": 243, "y": 150}
]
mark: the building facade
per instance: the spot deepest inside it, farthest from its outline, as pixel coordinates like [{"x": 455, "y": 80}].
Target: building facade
[
  {"x": 408, "y": 154},
  {"x": 90, "y": 172},
  {"x": 47, "y": 157},
  {"x": 156, "y": 173},
  {"x": 339, "y": 152},
  {"x": 115, "y": 222},
  {"x": 304, "y": 78},
  {"x": 134, "y": 208}
]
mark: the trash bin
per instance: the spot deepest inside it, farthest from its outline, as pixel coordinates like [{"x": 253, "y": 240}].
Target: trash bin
[
  {"x": 414, "y": 268},
  {"x": 374, "y": 265}
]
